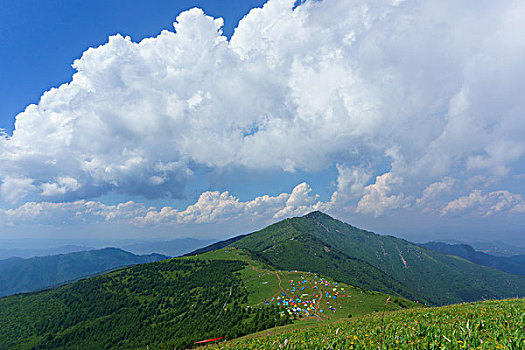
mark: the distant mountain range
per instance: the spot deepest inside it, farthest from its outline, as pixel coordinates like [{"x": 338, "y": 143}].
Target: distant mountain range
[
  {"x": 497, "y": 248},
  {"x": 514, "y": 264},
  {"x": 172, "y": 248},
  {"x": 31, "y": 252},
  {"x": 18, "y": 275}
]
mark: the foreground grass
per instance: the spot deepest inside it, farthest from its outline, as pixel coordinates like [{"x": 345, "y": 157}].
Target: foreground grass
[{"x": 496, "y": 324}]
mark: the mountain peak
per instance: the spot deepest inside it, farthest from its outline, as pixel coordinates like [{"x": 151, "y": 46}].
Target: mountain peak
[
  {"x": 316, "y": 241},
  {"x": 317, "y": 215}
]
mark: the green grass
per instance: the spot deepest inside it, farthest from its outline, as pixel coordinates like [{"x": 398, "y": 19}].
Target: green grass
[
  {"x": 262, "y": 284},
  {"x": 253, "y": 275},
  {"x": 224, "y": 293},
  {"x": 498, "y": 324}
]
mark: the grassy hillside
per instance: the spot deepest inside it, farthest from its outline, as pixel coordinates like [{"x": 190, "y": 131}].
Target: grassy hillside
[
  {"x": 483, "y": 325},
  {"x": 286, "y": 247},
  {"x": 271, "y": 278},
  {"x": 25, "y": 275},
  {"x": 322, "y": 243},
  {"x": 173, "y": 303},
  {"x": 326, "y": 298}
]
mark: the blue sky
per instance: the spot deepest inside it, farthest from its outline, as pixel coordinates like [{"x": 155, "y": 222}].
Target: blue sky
[
  {"x": 40, "y": 39},
  {"x": 151, "y": 120}
]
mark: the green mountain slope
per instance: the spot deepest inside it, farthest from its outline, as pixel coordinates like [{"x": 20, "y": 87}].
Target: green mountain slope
[
  {"x": 309, "y": 270},
  {"x": 25, "y": 275},
  {"x": 431, "y": 276},
  {"x": 506, "y": 264},
  {"x": 286, "y": 247},
  {"x": 173, "y": 303},
  {"x": 216, "y": 245},
  {"x": 267, "y": 285}
]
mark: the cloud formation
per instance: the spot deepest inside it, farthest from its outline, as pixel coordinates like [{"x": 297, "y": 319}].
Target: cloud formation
[
  {"x": 414, "y": 93},
  {"x": 435, "y": 189},
  {"x": 211, "y": 207},
  {"x": 222, "y": 207},
  {"x": 378, "y": 197},
  {"x": 486, "y": 204}
]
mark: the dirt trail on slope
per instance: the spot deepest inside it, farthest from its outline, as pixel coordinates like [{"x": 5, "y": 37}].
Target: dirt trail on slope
[
  {"x": 318, "y": 306},
  {"x": 279, "y": 278}
]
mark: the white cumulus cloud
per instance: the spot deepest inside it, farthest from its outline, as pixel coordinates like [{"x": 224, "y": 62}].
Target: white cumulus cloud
[
  {"x": 214, "y": 206},
  {"x": 76, "y": 212},
  {"x": 486, "y": 204},
  {"x": 62, "y": 186},
  {"x": 211, "y": 207},
  {"x": 351, "y": 183},
  {"x": 427, "y": 89},
  {"x": 13, "y": 189},
  {"x": 435, "y": 189},
  {"x": 379, "y": 199}
]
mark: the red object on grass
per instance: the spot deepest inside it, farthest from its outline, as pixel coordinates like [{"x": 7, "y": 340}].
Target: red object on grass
[{"x": 207, "y": 340}]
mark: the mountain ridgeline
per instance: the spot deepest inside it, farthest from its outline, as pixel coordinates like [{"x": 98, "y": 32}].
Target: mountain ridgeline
[
  {"x": 512, "y": 264},
  {"x": 19, "y": 275},
  {"x": 325, "y": 245}
]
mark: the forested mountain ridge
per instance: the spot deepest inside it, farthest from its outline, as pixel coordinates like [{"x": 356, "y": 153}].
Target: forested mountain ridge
[
  {"x": 327, "y": 244},
  {"x": 507, "y": 264},
  {"x": 19, "y": 275}
]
